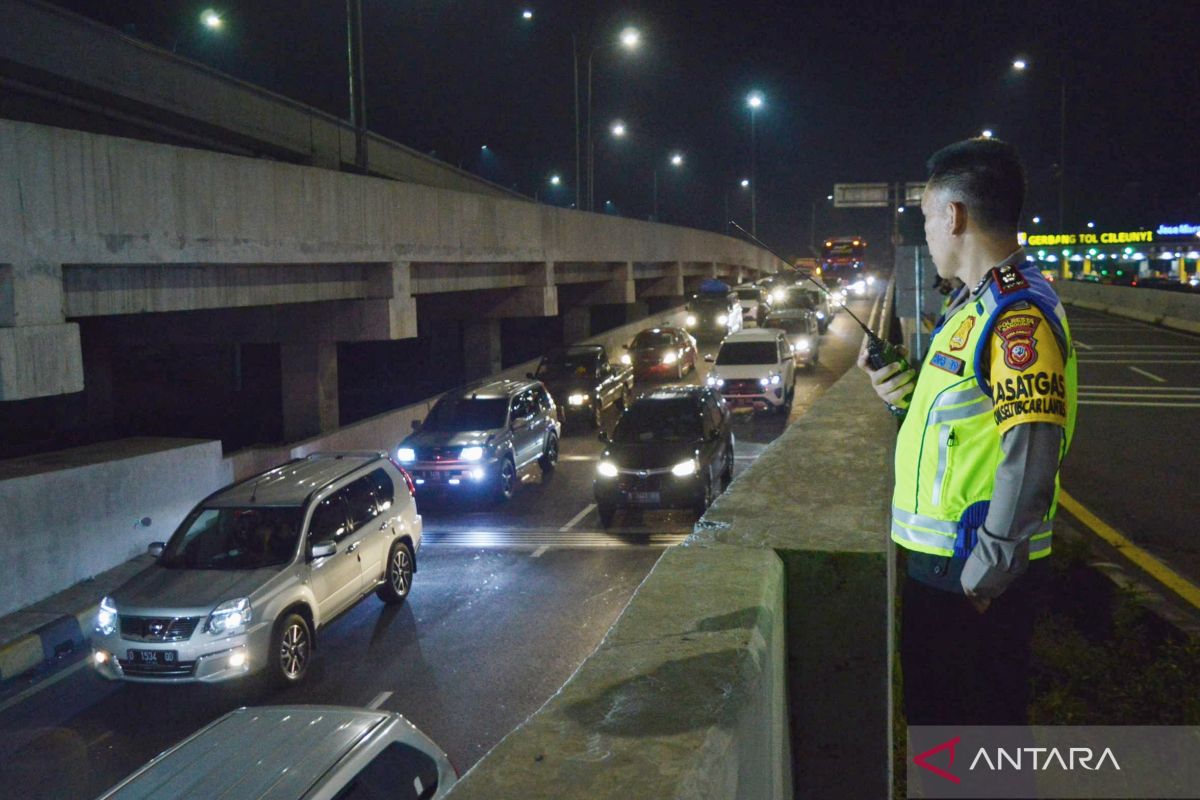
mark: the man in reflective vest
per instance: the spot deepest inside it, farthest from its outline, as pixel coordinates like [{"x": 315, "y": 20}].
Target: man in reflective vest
[{"x": 990, "y": 419}]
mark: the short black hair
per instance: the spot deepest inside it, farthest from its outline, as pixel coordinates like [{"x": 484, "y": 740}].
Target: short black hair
[{"x": 988, "y": 178}]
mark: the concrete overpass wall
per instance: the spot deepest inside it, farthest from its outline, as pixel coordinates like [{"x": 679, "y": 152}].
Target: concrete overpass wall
[
  {"x": 67, "y": 60},
  {"x": 97, "y": 225},
  {"x": 1178, "y": 310}
]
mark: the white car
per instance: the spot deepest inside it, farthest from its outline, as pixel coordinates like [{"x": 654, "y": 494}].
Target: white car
[
  {"x": 756, "y": 369},
  {"x": 300, "y": 753},
  {"x": 751, "y": 298}
]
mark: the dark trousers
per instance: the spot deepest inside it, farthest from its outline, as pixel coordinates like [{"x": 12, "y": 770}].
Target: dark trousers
[{"x": 961, "y": 667}]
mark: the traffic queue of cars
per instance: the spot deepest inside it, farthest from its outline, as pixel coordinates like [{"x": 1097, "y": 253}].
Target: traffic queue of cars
[{"x": 252, "y": 575}]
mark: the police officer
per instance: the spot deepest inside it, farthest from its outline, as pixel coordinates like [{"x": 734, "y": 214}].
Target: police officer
[{"x": 989, "y": 421}]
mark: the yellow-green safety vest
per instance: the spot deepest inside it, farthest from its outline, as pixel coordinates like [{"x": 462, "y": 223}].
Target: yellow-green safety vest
[{"x": 948, "y": 448}]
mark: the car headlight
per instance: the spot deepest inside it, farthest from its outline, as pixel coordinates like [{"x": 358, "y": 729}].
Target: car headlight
[
  {"x": 870, "y": 280},
  {"x": 625, "y": 359},
  {"x": 670, "y": 358},
  {"x": 577, "y": 399},
  {"x": 607, "y": 469},
  {"x": 764, "y": 381},
  {"x": 691, "y": 320},
  {"x": 406, "y": 455},
  {"x": 776, "y": 379},
  {"x": 685, "y": 468},
  {"x": 778, "y": 295},
  {"x": 820, "y": 315},
  {"x": 722, "y": 319},
  {"x": 471, "y": 453},
  {"x": 803, "y": 343},
  {"x": 230, "y": 616},
  {"x": 106, "y": 617},
  {"x": 714, "y": 380}
]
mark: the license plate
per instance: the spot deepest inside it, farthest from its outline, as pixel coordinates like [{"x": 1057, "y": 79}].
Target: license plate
[
  {"x": 153, "y": 656},
  {"x": 645, "y": 498}
]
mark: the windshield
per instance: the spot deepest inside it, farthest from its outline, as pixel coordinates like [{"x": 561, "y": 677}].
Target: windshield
[
  {"x": 566, "y": 365},
  {"x": 235, "y": 538},
  {"x": 789, "y": 324},
  {"x": 748, "y": 294},
  {"x": 456, "y": 414},
  {"x": 708, "y": 302},
  {"x": 659, "y": 421},
  {"x": 796, "y": 298},
  {"x": 652, "y": 340},
  {"x": 735, "y": 353}
]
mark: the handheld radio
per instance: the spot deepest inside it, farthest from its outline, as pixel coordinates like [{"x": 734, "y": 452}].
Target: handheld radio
[{"x": 879, "y": 352}]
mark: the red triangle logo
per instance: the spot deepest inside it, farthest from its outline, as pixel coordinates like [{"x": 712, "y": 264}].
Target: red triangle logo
[{"x": 921, "y": 760}]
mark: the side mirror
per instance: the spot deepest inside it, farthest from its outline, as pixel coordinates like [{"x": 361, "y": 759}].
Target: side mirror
[
  {"x": 709, "y": 358},
  {"x": 324, "y": 549},
  {"x": 602, "y": 436},
  {"x": 156, "y": 549},
  {"x": 416, "y": 424}
]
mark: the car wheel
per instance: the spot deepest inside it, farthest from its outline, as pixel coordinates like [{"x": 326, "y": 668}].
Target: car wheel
[
  {"x": 707, "y": 498},
  {"x": 291, "y": 650},
  {"x": 606, "y": 513},
  {"x": 727, "y": 473},
  {"x": 506, "y": 481},
  {"x": 397, "y": 581},
  {"x": 549, "y": 458}
]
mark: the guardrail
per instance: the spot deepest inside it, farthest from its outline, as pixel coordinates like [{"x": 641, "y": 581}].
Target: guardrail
[
  {"x": 1178, "y": 310},
  {"x": 753, "y": 661}
]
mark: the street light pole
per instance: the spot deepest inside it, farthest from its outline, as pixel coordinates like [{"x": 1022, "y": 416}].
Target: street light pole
[
  {"x": 575, "y": 61},
  {"x": 753, "y": 176},
  {"x": 654, "y": 214},
  {"x": 358, "y": 108},
  {"x": 1062, "y": 150},
  {"x": 629, "y": 39}
]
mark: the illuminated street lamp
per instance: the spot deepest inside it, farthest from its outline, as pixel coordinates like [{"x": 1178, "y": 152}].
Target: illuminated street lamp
[
  {"x": 1037, "y": 220},
  {"x": 745, "y": 183},
  {"x": 211, "y": 20},
  {"x": 527, "y": 14},
  {"x": 754, "y": 101},
  {"x": 1091, "y": 224},
  {"x": 630, "y": 39},
  {"x": 677, "y": 160},
  {"x": 618, "y": 129},
  {"x": 1019, "y": 65},
  {"x": 987, "y": 133},
  {"x": 555, "y": 180}
]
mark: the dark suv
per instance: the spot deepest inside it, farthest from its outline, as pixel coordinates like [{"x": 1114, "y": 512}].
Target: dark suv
[
  {"x": 673, "y": 448},
  {"x": 481, "y": 437}
]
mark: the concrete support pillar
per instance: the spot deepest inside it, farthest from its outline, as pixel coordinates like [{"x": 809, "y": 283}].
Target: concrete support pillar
[
  {"x": 39, "y": 350},
  {"x": 481, "y": 348},
  {"x": 577, "y": 324},
  {"x": 310, "y": 389}
]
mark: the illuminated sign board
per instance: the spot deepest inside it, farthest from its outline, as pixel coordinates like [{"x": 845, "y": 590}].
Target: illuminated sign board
[
  {"x": 1106, "y": 237},
  {"x": 1183, "y": 229}
]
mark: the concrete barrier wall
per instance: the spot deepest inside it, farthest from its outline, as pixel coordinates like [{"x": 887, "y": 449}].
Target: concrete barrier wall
[
  {"x": 1178, "y": 310},
  {"x": 67, "y": 516},
  {"x": 753, "y": 661},
  {"x": 384, "y": 431}
]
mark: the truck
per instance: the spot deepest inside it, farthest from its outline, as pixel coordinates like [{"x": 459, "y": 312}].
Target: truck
[{"x": 584, "y": 382}]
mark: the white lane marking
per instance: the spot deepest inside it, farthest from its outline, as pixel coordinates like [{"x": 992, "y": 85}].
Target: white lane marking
[
  {"x": 579, "y": 458},
  {"x": 576, "y": 519},
  {"x": 1140, "y": 346},
  {"x": 379, "y": 700},
  {"x": 46, "y": 684},
  {"x": 1149, "y": 375},
  {"x": 1097, "y": 387},
  {"x": 1153, "y": 405},
  {"x": 1081, "y": 344},
  {"x": 1138, "y": 361},
  {"x": 538, "y": 553},
  {"x": 1174, "y": 398}
]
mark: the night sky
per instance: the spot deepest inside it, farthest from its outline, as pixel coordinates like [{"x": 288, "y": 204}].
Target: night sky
[{"x": 854, "y": 92}]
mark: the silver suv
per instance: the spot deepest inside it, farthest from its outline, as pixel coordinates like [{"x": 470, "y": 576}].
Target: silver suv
[
  {"x": 478, "y": 439},
  {"x": 258, "y": 568}
]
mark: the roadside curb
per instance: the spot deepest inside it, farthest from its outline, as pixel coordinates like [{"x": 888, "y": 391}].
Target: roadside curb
[{"x": 46, "y": 643}]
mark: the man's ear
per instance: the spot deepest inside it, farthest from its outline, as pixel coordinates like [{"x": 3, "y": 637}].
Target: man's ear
[{"x": 957, "y": 217}]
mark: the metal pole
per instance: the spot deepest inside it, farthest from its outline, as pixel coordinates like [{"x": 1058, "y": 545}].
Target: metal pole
[
  {"x": 591, "y": 152},
  {"x": 358, "y": 109},
  {"x": 655, "y": 206},
  {"x": 753, "y": 178},
  {"x": 812, "y": 230},
  {"x": 575, "y": 62},
  {"x": 1062, "y": 152}
]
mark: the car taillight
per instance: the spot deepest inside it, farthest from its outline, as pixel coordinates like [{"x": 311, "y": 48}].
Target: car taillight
[{"x": 412, "y": 487}]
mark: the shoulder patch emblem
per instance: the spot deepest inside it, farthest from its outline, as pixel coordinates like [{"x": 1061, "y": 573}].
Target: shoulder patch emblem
[
  {"x": 1016, "y": 337},
  {"x": 959, "y": 339},
  {"x": 1009, "y": 279}
]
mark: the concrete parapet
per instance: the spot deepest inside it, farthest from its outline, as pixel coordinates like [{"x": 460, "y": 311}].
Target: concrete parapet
[
  {"x": 681, "y": 699},
  {"x": 40, "y": 360},
  {"x": 1179, "y": 310},
  {"x": 67, "y": 516}
]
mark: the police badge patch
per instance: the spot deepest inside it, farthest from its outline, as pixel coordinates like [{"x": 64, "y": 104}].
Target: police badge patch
[
  {"x": 1016, "y": 337},
  {"x": 959, "y": 339}
]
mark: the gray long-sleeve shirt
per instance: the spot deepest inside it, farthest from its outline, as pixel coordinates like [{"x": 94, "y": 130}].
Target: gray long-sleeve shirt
[{"x": 1021, "y": 496}]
